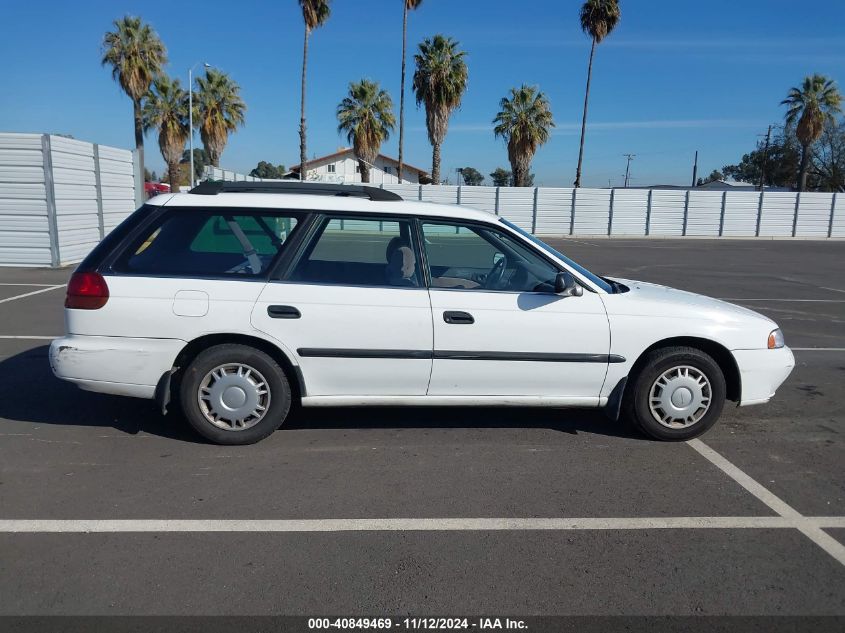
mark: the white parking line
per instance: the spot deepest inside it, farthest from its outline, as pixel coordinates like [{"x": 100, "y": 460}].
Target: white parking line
[
  {"x": 29, "y": 338},
  {"x": 817, "y": 349},
  {"x": 741, "y": 300},
  {"x": 3, "y": 283},
  {"x": 808, "y": 527},
  {"x": 422, "y": 525},
  {"x": 29, "y": 294}
]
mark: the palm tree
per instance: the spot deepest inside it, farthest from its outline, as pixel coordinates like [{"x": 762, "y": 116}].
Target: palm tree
[
  {"x": 811, "y": 106},
  {"x": 314, "y": 13},
  {"x": 407, "y": 5},
  {"x": 524, "y": 121},
  {"x": 439, "y": 82},
  {"x": 218, "y": 111},
  {"x": 166, "y": 109},
  {"x": 598, "y": 19},
  {"x": 136, "y": 56},
  {"x": 366, "y": 116}
]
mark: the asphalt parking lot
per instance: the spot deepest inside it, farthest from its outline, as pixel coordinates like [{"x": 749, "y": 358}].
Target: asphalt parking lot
[{"x": 439, "y": 511}]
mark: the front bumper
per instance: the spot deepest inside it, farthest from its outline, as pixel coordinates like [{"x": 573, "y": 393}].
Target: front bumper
[
  {"x": 761, "y": 372},
  {"x": 112, "y": 364}
]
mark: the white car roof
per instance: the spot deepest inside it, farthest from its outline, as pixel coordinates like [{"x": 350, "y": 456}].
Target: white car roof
[{"x": 320, "y": 203}]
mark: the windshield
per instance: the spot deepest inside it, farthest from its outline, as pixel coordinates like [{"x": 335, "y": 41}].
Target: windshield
[{"x": 598, "y": 281}]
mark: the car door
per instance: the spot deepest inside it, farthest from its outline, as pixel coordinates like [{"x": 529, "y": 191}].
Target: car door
[
  {"x": 499, "y": 327},
  {"x": 354, "y": 309}
]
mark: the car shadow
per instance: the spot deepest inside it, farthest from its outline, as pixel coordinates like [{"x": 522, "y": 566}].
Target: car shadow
[{"x": 29, "y": 392}]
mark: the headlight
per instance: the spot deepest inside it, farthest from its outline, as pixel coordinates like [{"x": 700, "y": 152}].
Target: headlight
[{"x": 776, "y": 339}]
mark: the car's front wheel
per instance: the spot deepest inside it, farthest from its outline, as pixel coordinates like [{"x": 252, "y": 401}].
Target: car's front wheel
[
  {"x": 677, "y": 395},
  {"x": 234, "y": 394}
]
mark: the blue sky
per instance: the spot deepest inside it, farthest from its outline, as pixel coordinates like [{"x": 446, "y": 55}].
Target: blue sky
[{"x": 676, "y": 76}]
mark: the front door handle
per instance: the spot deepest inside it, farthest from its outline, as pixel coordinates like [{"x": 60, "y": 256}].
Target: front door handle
[
  {"x": 458, "y": 318},
  {"x": 283, "y": 312}
]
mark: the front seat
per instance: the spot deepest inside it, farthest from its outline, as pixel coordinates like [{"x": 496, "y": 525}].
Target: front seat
[{"x": 401, "y": 263}]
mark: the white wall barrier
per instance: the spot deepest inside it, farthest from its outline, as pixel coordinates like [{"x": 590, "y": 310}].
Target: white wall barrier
[
  {"x": 59, "y": 197},
  {"x": 649, "y": 212},
  {"x": 637, "y": 212}
]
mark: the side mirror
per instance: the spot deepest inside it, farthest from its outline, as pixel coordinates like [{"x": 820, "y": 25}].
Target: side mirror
[{"x": 566, "y": 286}]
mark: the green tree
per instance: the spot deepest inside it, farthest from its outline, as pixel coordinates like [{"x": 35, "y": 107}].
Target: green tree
[
  {"x": 829, "y": 158},
  {"x": 314, "y": 14},
  {"x": 166, "y": 110},
  {"x": 219, "y": 111},
  {"x": 714, "y": 176},
  {"x": 136, "y": 56},
  {"x": 809, "y": 108},
  {"x": 471, "y": 176},
  {"x": 524, "y": 122},
  {"x": 781, "y": 163},
  {"x": 366, "y": 116},
  {"x": 598, "y": 19},
  {"x": 501, "y": 177},
  {"x": 439, "y": 83},
  {"x": 407, "y": 5},
  {"x": 200, "y": 161},
  {"x": 179, "y": 174},
  {"x": 268, "y": 170}
]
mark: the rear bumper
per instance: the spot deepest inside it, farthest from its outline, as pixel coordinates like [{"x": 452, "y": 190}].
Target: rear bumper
[
  {"x": 761, "y": 372},
  {"x": 111, "y": 364}
]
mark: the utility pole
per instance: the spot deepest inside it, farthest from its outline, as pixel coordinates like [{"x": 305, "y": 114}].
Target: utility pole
[
  {"x": 695, "y": 169},
  {"x": 630, "y": 157},
  {"x": 765, "y": 159}
]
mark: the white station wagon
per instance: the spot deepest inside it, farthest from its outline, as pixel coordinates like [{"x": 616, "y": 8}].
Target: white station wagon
[{"x": 239, "y": 299}]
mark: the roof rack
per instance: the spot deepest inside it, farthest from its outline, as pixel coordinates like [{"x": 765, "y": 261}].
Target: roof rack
[{"x": 211, "y": 188}]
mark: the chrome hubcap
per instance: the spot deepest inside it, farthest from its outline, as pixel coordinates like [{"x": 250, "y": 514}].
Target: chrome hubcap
[
  {"x": 680, "y": 397},
  {"x": 234, "y": 396}
]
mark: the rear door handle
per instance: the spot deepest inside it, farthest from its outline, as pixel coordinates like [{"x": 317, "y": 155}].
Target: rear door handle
[
  {"x": 458, "y": 318},
  {"x": 283, "y": 312}
]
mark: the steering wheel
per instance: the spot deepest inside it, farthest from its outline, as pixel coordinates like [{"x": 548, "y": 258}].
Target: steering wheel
[{"x": 496, "y": 276}]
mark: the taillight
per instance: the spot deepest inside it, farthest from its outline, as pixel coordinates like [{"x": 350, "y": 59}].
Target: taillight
[{"x": 87, "y": 291}]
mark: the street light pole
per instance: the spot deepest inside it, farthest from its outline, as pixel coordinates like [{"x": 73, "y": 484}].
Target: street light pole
[{"x": 191, "y": 117}]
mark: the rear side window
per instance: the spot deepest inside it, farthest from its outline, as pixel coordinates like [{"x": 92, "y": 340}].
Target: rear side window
[
  {"x": 201, "y": 243},
  {"x": 360, "y": 252}
]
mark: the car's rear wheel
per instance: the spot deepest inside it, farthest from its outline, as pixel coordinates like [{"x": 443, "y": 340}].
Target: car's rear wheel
[
  {"x": 234, "y": 394},
  {"x": 677, "y": 395}
]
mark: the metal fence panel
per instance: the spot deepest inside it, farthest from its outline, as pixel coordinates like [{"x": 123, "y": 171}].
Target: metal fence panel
[
  {"x": 667, "y": 212},
  {"x": 554, "y": 211},
  {"x": 445, "y": 194},
  {"x": 592, "y": 211},
  {"x": 630, "y": 210},
  {"x": 24, "y": 227},
  {"x": 741, "y": 209},
  {"x": 704, "y": 213},
  {"x": 777, "y": 214},
  {"x": 837, "y": 220},
  {"x": 482, "y": 198},
  {"x": 813, "y": 215},
  {"x": 407, "y": 191},
  {"x": 517, "y": 205},
  {"x": 75, "y": 186}
]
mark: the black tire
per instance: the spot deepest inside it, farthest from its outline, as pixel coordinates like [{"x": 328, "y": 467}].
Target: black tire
[
  {"x": 637, "y": 394},
  {"x": 213, "y": 357}
]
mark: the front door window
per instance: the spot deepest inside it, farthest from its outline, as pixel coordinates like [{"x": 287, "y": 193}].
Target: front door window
[{"x": 478, "y": 258}]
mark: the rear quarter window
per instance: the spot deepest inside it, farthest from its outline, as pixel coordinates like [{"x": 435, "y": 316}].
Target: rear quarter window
[{"x": 192, "y": 242}]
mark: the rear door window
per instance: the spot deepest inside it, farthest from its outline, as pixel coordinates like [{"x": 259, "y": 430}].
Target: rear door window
[
  {"x": 361, "y": 252},
  {"x": 201, "y": 243}
]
